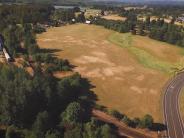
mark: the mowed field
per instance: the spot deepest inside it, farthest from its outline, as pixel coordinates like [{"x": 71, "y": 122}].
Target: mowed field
[
  {"x": 114, "y": 17},
  {"x": 128, "y": 72}
]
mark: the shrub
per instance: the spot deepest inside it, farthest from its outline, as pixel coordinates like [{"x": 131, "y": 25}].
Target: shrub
[
  {"x": 115, "y": 114},
  {"x": 39, "y": 29},
  {"x": 146, "y": 121},
  {"x": 127, "y": 121}
]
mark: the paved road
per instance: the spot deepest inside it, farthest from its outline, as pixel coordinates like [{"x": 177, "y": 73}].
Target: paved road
[
  {"x": 173, "y": 120},
  {"x": 121, "y": 128}
]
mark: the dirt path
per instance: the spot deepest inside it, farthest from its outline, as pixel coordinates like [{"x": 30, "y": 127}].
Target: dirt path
[{"x": 123, "y": 130}]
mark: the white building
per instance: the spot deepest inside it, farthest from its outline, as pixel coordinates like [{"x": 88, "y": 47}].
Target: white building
[{"x": 88, "y": 22}]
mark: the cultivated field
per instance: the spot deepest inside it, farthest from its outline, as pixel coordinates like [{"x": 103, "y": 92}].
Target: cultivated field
[
  {"x": 114, "y": 17},
  {"x": 128, "y": 72}
]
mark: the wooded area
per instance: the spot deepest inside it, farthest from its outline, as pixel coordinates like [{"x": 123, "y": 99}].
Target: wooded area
[{"x": 40, "y": 105}]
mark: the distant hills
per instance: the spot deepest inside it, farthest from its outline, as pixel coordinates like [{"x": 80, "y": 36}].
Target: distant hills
[
  {"x": 101, "y": 1},
  {"x": 44, "y": 1},
  {"x": 158, "y": 2}
]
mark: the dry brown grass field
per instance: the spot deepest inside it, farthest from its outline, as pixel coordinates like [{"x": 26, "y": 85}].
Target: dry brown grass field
[{"x": 122, "y": 80}]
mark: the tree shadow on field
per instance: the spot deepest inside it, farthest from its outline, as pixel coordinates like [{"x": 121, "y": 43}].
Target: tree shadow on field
[
  {"x": 158, "y": 127},
  {"x": 87, "y": 97},
  {"x": 49, "y": 51},
  {"x": 87, "y": 92}
]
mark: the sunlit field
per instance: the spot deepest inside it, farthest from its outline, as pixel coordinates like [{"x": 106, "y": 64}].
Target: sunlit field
[{"x": 128, "y": 72}]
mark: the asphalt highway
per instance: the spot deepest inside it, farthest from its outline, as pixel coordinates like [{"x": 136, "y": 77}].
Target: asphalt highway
[{"x": 173, "y": 120}]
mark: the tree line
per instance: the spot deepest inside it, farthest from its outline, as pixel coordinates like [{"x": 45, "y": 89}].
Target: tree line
[
  {"x": 155, "y": 29},
  {"x": 118, "y": 26}
]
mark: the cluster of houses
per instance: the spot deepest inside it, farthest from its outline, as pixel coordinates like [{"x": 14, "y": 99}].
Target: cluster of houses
[
  {"x": 180, "y": 19},
  {"x": 82, "y": 10}
]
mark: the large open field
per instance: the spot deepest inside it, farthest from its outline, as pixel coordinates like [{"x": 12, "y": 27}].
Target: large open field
[{"x": 128, "y": 72}]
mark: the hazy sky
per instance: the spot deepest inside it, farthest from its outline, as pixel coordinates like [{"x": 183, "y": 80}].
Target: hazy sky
[{"x": 150, "y": 0}]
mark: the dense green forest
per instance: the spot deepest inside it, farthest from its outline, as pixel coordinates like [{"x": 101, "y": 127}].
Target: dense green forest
[{"x": 42, "y": 106}]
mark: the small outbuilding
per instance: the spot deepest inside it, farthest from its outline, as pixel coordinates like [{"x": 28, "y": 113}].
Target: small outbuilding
[
  {"x": 88, "y": 22},
  {"x": 73, "y": 20}
]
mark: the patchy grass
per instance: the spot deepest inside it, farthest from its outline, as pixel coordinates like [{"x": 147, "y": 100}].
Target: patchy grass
[
  {"x": 161, "y": 50},
  {"x": 126, "y": 76},
  {"x": 146, "y": 59}
]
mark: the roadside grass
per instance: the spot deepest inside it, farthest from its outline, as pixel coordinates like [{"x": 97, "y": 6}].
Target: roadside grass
[{"x": 143, "y": 57}]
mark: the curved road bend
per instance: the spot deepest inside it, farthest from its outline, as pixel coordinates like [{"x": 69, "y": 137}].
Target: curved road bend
[{"x": 173, "y": 120}]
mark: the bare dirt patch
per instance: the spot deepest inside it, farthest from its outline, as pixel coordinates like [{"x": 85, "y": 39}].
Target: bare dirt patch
[
  {"x": 136, "y": 89},
  {"x": 140, "y": 78}
]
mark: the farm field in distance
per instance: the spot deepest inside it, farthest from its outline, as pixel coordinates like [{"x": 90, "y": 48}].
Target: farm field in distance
[
  {"x": 128, "y": 72},
  {"x": 114, "y": 17}
]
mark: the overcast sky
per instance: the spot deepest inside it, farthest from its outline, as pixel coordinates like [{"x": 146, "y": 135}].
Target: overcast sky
[{"x": 152, "y": 0}]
